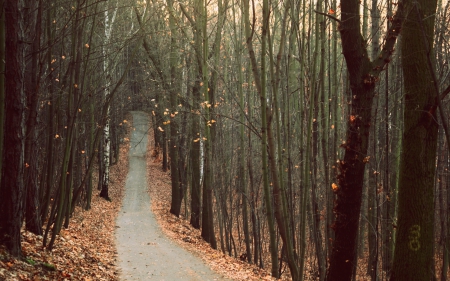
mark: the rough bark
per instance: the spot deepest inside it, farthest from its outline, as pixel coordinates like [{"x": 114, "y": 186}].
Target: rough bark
[
  {"x": 363, "y": 74},
  {"x": 413, "y": 257},
  {"x": 12, "y": 187}
]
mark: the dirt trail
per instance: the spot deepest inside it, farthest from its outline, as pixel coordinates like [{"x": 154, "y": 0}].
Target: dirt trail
[{"x": 144, "y": 252}]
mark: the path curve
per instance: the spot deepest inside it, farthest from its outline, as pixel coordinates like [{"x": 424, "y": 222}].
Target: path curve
[{"x": 144, "y": 253}]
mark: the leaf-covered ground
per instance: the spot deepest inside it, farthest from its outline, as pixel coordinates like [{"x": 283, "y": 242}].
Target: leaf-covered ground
[
  {"x": 85, "y": 251},
  {"x": 179, "y": 229}
]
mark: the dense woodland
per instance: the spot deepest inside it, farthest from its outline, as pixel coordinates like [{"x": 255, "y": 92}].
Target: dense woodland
[{"x": 301, "y": 136}]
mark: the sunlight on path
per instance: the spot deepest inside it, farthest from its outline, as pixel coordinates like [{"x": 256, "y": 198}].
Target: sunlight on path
[{"x": 144, "y": 252}]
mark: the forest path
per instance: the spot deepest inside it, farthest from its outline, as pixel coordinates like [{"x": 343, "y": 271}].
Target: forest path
[{"x": 144, "y": 252}]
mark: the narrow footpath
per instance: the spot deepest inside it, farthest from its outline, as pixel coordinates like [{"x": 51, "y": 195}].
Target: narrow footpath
[{"x": 144, "y": 252}]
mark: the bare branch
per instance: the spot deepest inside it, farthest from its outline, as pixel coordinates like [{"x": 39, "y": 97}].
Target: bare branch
[{"x": 328, "y": 15}]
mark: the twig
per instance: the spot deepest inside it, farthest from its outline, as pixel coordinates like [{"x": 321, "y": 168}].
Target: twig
[{"x": 327, "y": 15}]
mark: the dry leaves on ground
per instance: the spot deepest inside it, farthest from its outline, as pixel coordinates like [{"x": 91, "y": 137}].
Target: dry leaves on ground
[
  {"x": 85, "y": 251},
  {"x": 181, "y": 231}
]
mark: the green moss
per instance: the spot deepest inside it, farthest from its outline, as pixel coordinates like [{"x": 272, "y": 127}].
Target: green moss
[
  {"x": 30, "y": 261},
  {"x": 48, "y": 266}
]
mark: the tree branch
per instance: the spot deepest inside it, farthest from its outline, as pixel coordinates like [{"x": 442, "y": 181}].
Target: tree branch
[
  {"x": 388, "y": 49},
  {"x": 328, "y": 15}
]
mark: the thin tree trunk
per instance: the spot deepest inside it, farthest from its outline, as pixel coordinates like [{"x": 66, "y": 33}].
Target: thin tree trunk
[
  {"x": 32, "y": 88},
  {"x": 260, "y": 80}
]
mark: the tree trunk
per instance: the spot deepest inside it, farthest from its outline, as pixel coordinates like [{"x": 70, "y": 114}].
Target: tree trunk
[
  {"x": 177, "y": 192},
  {"x": 195, "y": 161},
  {"x": 363, "y": 74},
  {"x": 106, "y": 147},
  {"x": 413, "y": 257},
  {"x": 12, "y": 189},
  {"x": 2, "y": 80},
  {"x": 32, "y": 210}
]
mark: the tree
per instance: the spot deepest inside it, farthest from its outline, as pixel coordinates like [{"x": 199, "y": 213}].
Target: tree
[
  {"x": 413, "y": 257},
  {"x": 363, "y": 75},
  {"x": 31, "y": 87},
  {"x": 106, "y": 146},
  {"x": 12, "y": 190},
  {"x": 177, "y": 191}
]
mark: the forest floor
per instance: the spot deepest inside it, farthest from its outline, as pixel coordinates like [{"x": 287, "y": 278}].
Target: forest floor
[{"x": 87, "y": 249}]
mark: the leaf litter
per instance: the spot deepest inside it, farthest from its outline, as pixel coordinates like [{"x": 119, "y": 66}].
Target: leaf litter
[
  {"x": 180, "y": 231},
  {"x": 84, "y": 251}
]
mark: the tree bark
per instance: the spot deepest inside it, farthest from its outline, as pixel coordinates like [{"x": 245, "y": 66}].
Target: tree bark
[
  {"x": 106, "y": 147},
  {"x": 32, "y": 210},
  {"x": 413, "y": 257},
  {"x": 363, "y": 74},
  {"x": 12, "y": 189}
]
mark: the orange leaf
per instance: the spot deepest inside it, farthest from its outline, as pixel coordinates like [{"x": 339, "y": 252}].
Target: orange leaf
[
  {"x": 334, "y": 187},
  {"x": 331, "y": 11}
]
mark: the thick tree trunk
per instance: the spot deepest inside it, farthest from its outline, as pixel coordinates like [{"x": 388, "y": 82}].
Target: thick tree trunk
[
  {"x": 363, "y": 74},
  {"x": 2, "y": 80},
  {"x": 12, "y": 189},
  {"x": 413, "y": 257}
]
